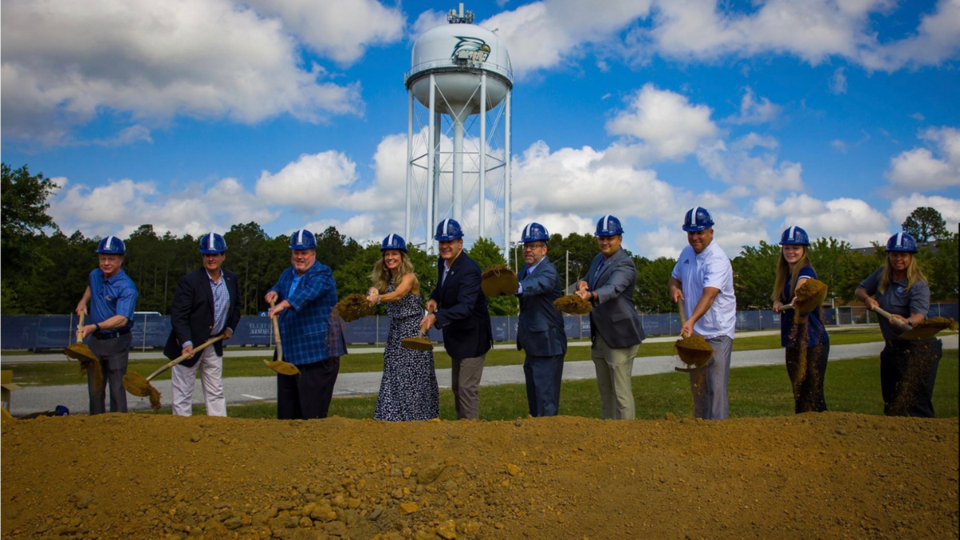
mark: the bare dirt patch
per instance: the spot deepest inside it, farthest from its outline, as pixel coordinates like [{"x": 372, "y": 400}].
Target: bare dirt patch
[{"x": 826, "y": 475}]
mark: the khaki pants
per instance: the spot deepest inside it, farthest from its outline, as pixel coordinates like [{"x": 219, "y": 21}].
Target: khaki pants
[
  {"x": 465, "y": 380},
  {"x": 614, "y": 372},
  {"x": 182, "y": 380}
]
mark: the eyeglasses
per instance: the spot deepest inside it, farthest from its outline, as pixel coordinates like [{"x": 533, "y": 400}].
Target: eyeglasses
[{"x": 531, "y": 247}]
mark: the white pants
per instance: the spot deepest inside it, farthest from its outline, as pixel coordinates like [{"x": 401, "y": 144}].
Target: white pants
[{"x": 211, "y": 378}]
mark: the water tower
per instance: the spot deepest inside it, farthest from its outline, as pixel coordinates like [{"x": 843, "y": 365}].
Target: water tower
[{"x": 460, "y": 75}]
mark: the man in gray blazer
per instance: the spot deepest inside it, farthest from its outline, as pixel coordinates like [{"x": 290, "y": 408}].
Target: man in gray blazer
[
  {"x": 540, "y": 330},
  {"x": 615, "y": 327}
]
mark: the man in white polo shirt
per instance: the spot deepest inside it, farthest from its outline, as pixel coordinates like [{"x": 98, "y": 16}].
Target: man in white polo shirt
[{"x": 703, "y": 281}]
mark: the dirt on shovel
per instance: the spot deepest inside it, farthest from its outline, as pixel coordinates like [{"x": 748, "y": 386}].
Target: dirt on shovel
[
  {"x": 139, "y": 386},
  {"x": 353, "y": 307},
  {"x": 928, "y": 328},
  {"x": 694, "y": 351},
  {"x": 809, "y": 296},
  {"x": 499, "y": 280},
  {"x": 573, "y": 305}
]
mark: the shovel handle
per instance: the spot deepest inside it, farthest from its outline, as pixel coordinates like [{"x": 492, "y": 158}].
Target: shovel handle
[
  {"x": 80, "y": 329},
  {"x": 276, "y": 335},
  {"x": 683, "y": 317},
  {"x": 894, "y": 321},
  {"x": 183, "y": 357}
]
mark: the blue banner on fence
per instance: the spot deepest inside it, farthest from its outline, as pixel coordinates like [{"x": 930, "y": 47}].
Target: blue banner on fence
[{"x": 38, "y": 332}]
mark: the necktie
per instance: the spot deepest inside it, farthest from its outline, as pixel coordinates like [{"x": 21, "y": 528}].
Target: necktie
[{"x": 597, "y": 273}]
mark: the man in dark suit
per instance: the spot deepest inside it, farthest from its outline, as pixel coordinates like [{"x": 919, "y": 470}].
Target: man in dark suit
[
  {"x": 540, "y": 330},
  {"x": 458, "y": 308},
  {"x": 615, "y": 327},
  {"x": 205, "y": 305}
]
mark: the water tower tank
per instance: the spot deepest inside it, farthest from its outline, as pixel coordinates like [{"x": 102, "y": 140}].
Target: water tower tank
[{"x": 456, "y": 54}]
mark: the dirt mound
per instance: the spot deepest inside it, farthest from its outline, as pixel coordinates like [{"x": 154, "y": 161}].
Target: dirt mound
[{"x": 810, "y": 476}]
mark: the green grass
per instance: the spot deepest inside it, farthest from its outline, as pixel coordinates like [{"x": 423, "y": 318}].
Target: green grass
[
  {"x": 850, "y": 386},
  {"x": 57, "y": 373}
]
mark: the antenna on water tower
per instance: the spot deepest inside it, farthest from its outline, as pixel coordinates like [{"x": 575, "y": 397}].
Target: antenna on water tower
[{"x": 460, "y": 75}]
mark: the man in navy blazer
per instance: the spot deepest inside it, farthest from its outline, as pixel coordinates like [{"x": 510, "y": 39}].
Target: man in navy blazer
[
  {"x": 459, "y": 309},
  {"x": 540, "y": 330},
  {"x": 205, "y": 304},
  {"x": 615, "y": 327}
]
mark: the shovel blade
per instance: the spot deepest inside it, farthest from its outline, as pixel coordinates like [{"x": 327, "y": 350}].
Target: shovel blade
[
  {"x": 80, "y": 352},
  {"x": 283, "y": 368},
  {"x": 417, "y": 343}
]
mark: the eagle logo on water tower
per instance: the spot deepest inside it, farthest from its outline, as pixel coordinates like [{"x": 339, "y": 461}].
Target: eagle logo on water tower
[{"x": 470, "y": 50}]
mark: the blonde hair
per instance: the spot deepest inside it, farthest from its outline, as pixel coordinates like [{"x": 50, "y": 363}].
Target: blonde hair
[
  {"x": 913, "y": 274},
  {"x": 784, "y": 272},
  {"x": 381, "y": 274}
]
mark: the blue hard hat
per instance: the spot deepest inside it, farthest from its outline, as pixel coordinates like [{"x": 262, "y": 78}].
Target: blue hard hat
[
  {"x": 111, "y": 245},
  {"x": 794, "y": 236},
  {"x": 448, "y": 229},
  {"x": 697, "y": 219},
  {"x": 394, "y": 241},
  {"x": 902, "y": 242},
  {"x": 61, "y": 410},
  {"x": 212, "y": 244},
  {"x": 608, "y": 226},
  {"x": 303, "y": 239},
  {"x": 535, "y": 232}
]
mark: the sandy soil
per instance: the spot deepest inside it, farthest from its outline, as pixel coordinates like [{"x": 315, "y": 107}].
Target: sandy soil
[{"x": 810, "y": 476}]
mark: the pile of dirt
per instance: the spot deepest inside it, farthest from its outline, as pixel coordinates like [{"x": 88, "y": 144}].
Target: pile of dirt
[
  {"x": 352, "y": 308},
  {"x": 810, "y": 476}
]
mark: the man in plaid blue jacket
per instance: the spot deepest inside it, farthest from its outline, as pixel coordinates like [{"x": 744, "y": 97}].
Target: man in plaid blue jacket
[{"x": 305, "y": 295}]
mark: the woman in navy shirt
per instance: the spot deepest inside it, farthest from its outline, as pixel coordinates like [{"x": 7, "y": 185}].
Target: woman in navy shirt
[
  {"x": 806, "y": 341},
  {"x": 908, "y": 369}
]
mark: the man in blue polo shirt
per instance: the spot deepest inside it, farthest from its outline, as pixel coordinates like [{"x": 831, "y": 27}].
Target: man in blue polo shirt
[{"x": 114, "y": 297}]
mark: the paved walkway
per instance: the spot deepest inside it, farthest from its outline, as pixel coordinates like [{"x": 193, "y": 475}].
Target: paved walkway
[
  {"x": 268, "y": 351},
  {"x": 247, "y": 389}
]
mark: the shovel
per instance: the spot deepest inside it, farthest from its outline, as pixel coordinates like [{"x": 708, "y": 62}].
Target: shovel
[
  {"x": 81, "y": 352},
  {"x": 809, "y": 296},
  {"x": 139, "y": 386},
  {"x": 417, "y": 343},
  {"x": 925, "y": 329},
  {"x": 278, "y": 365},
  {"x": 692, "y": 350}
]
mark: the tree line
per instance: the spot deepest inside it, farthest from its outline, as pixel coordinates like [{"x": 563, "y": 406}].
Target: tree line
[{"x": 45, "y": 271}]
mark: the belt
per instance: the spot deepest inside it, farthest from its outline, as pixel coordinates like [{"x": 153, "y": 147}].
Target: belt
[{"x": 111, "y": 335}]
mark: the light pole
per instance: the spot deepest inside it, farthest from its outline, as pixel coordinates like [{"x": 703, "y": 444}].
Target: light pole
[{"x": 566, "y": 290}]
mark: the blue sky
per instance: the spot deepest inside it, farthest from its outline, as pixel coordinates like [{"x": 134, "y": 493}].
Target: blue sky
[{"x": 192, "y": 115}]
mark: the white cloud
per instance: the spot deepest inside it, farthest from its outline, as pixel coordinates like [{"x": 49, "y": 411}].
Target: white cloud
[
  {"x": 847, "y": 219},
  {"x": 702, "y": 30},
  {"x": 937, "y": 39},
  {"x": 665, "y": 123},
  {"x": 580, "y": 182},
  {"x": 839, "y": 146},
  {"x": 339, "y": 30},
  {"x": 120, "y": 207},
  {"x": 555, "y": 223},
  {"x": 754, "y": 111},
  {"x": 313, "y": 182},
  {"x": 65, "y": 63},
  {"x": 904, "y": 206},
  {"x": 751, "y": 161},
  {"x": 921, "y": 169},
  {"x": 838, "y": 83},
  {"x": 541, "y": 35},
  {"x": 361, "y": 227}
]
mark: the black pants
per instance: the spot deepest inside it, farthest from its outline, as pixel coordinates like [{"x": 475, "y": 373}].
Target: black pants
[
  {"x": 908, "y": 371},
  {"x": 806, "y": 376},
  {"x": 113, "y": 355},
  {"x": 308, "y": 394}
]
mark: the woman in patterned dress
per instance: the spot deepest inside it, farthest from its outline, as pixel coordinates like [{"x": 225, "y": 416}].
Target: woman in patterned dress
[{"x": 408, "y": 389}]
